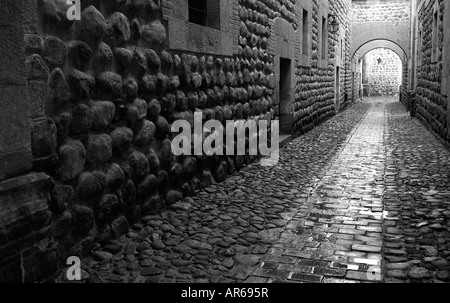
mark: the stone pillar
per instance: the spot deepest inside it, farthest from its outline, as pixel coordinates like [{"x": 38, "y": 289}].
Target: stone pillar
[
  {"x": 26, "y": 253},
  {"x": 445, "y": 85},
  {"x": 413, "y": 53},
  {"x": 15, "y": 143}
]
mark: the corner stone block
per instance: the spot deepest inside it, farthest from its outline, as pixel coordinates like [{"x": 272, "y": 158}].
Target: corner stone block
[
  {"x": 12, "y": 48},
  {"x": 23, "y": 199},
  {"x": 11, "y": 270},
  {"x": 38, "y": 264},
  {"x": 15, "y": 147}
]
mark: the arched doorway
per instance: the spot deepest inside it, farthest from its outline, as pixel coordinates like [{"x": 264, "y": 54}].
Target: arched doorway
[
  {"x": 382, "y": 73},
  {"x": 390, "y": 29},
  {"x": 361, "y": 81}
]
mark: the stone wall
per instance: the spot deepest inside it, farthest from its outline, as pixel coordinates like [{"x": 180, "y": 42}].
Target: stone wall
[
  {"x": 381, "y": 11},
  {"x": 432, "y": 105},
  {"x": 384, "y": 72},
  {"x": 381, "y": 20},
  {"x": 27, "y": 252},
  {"x": 15, "y": 148},
  {"x": 104, "y": 91},
  {"x": 315, "y": 97},
  {"x": 383, "y": 24},
  {"x": 111, "y": 88}
]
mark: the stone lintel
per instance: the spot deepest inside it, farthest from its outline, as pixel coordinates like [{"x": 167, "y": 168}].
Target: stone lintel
[{"x": 186, "y": 36}]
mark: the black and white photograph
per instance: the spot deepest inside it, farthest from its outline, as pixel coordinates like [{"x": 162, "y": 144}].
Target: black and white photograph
[{"x": 219, "y": 149}]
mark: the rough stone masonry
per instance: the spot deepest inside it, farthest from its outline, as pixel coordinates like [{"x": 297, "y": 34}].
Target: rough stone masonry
[
  {"x": 102, "y": 92},
  {"x": 87, "y": 106},
  {"x": 384, "y": 70}
]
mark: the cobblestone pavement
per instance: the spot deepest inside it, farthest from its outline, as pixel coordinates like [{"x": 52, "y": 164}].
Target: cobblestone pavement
[
  {"x": 361, "y": 198},
  {"x": 416, "y": 203}
]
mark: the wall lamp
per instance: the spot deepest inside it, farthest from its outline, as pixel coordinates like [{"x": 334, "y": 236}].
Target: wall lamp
[{"x": 333, "y": 24}]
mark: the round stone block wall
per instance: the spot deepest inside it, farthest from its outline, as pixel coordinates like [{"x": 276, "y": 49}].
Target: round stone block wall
[
  {"x": 111, "y": 88},
  {"x": 384, "y": 71}
]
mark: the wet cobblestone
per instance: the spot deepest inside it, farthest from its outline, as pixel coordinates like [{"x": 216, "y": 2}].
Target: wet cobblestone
[
  {"x": 416, "y": 203},
  {"x": 361, "y": 198}
]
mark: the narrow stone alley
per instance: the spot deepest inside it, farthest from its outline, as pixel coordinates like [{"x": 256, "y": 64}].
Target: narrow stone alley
[
  {"x": 133, "y": 134},
  {"x": 371, "y": 206}
]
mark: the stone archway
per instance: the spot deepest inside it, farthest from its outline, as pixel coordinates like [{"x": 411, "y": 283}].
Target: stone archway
[
  {"x": 378, "y": 24},
  {"x": 369, "y": 46},
  {"x": 383, "y": 71},
  {"x": 359, "y": 52},
  {"x": 397, "y": 37}
]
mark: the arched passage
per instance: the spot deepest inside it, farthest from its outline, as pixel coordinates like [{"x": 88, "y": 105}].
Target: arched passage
[
  {"x": 371, "y": 45},
  {"x": 365, "y": 33},
  {"x": 375, "y": 24},
  {"x": 360, "y": 84},
  {"x": 382, "y": 72},
  {"x": 399, "y": 38}
]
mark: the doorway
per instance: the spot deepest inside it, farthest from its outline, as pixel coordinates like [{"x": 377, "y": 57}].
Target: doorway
[
  {"x": 353, "y": 87},
  {"x": 338, "y": 89},
  {"x": 285, "y": 96}
]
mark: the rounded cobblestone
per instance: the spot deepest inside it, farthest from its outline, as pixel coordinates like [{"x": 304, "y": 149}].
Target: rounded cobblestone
[{"x": 358, "y": 207}]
